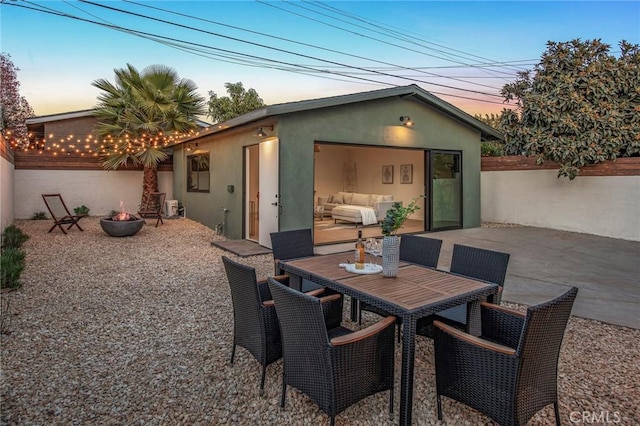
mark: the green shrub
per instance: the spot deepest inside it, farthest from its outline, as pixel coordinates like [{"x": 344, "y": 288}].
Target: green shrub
[
  {"x": 13, "y": 237},
  {"x": 81, "y": 210},
  {"x": 11, "y": 265},
  {"x": 39, "y": 216},
  {"x": 492, "y": 149}
]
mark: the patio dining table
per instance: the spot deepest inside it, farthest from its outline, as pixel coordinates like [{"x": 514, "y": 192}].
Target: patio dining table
[{"x": 416, "y": 292}]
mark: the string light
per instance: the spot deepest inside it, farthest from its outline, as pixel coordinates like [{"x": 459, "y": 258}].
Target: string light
[{"x": 93, "y": 145}]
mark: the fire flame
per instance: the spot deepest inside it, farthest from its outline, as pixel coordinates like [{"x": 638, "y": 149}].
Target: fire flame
[{"x": 122, "y": 215}]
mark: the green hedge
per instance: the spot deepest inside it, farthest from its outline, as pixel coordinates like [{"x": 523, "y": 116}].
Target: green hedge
[{"x": 12, "y": 257}]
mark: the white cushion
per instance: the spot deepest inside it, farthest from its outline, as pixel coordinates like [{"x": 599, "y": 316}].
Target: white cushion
[
  {"x": 346, "y": 197},
  {"x": 337, "y": 198},
  {"x": 360, "y": 199},
  {"x": 387, "y": 198},
  {"x": 374, "y": 198}
]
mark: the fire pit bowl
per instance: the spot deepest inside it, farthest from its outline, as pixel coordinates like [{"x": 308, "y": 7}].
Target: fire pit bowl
[{"x": 121, "y": 228}]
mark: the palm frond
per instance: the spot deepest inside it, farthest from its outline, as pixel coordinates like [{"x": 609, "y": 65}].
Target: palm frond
[{"x": 151, "y": 157}]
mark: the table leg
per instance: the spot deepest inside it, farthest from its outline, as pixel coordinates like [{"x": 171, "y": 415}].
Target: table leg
[
  {"x": 406, "y": 379},
  {"x": 355, "y": 307}
]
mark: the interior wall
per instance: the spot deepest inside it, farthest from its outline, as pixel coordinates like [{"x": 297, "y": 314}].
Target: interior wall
[{"x": 332, "y": 159}]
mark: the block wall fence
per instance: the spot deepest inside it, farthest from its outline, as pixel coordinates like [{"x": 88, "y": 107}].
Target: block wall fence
[{"x": 604, "y": 200}]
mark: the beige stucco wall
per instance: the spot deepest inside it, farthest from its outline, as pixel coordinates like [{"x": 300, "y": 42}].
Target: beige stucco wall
[
  {"x": 99, "y": 190},
  {"x": 601, "y": 205},
  {"x": 7, "y": 171}
]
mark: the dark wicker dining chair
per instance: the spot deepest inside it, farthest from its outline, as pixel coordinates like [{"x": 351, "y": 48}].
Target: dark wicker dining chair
[
  {"x": 510, "y": 372},
  {"x": 473, "y": 262},
  {"x": 291, "y": 245},
  {"x": 335, "y": 368},
  {"x": 255, "y": 324},
  {"x": 419, "y": 250}
]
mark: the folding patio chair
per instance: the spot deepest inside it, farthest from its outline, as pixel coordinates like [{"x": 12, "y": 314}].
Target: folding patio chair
[
  {"x": 152, "y": 206},
  {"x": 60, "y": 213}
]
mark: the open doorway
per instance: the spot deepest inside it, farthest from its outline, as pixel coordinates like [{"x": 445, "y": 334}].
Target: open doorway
[
  {"x": 446, "y": 189},
  {"x": 262, "y": 205},
  {"x": 252, "y": 193},
  {"x": 371, "y": 174}
]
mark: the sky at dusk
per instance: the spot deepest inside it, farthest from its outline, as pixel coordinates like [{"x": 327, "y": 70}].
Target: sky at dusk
[{"x": 463, "y": 52}]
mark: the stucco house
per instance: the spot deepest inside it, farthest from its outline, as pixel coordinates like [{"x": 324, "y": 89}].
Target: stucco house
[{"x": 272, "y": 168}]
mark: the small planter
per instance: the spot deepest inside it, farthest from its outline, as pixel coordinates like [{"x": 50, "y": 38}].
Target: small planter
[
  {"x": 390, "y": 255},
  {"x": 121, "y": 228}
]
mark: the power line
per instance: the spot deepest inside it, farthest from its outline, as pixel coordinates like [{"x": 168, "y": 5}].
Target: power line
[
  {"x": 403, "y": 35},
  {"x": 304, "y": 44},
  {"x": 281, "y": 64},
  {"x": 264, "y": 46},
  {"x": 357, "y": 33}
]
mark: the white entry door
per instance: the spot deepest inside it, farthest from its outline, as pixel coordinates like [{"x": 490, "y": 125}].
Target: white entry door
[{"x": 269, "y": 200}]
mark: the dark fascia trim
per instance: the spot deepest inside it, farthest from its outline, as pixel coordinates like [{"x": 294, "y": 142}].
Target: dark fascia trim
[{"x": 487, "y": 132}]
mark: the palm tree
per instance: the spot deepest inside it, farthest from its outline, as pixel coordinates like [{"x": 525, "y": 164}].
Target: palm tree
[{"x": 142, "y": 113}]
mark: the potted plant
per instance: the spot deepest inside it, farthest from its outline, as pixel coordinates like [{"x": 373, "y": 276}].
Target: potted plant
[{"x": 396, "y": 216}]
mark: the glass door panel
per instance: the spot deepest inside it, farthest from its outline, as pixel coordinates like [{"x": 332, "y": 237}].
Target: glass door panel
[{"x": 446, "y": 190}]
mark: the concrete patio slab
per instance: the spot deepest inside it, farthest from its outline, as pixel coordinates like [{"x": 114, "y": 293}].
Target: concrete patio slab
[{"x": 546, "y": 262}]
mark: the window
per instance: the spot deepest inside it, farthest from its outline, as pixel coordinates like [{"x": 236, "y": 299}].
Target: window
[{"x": 198, "y": 173}]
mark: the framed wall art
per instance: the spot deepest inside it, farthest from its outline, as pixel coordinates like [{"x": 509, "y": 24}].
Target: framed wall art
[
  {"x": 387, "y": 174},
  {"x": 406, "y": 173}
]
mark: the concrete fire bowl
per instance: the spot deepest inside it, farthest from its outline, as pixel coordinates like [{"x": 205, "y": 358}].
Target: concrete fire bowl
[{"x": 121, "y": 228}]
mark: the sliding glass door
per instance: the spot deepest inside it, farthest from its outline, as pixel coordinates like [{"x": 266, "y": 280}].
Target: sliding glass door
[{"x": 446, "y": 190}]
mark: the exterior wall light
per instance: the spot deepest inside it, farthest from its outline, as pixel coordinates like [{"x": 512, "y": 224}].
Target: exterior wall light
[
  {"x": 261, "y": 133},
  {"x": 407, "y": 121}
]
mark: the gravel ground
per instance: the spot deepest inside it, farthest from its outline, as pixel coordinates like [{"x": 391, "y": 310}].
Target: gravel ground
[{"x": 139, "y": 330}]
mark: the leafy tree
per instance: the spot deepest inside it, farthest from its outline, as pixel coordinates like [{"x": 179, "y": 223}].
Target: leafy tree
[
  {"x": 14, "y": 108},
  {"x": 239, "y": 101},
  {"x": 491, "y": 148},
  {"x": 140, "y": 114},
  {"x": 580, "y": 106},
  {"x": 492, "y": 120}
]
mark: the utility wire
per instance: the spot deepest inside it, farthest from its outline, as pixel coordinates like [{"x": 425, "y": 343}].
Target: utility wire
[
  {"x": 357, "y": 33},
  {"x": 304, "y": 69},
  {"x": 406, "y": 36},
  {"x": 304, "y": 44},
  {"x": 264, "y": 46}
]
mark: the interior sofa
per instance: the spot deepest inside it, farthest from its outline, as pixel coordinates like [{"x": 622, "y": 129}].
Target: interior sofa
[{"x": 350, "y": 207}]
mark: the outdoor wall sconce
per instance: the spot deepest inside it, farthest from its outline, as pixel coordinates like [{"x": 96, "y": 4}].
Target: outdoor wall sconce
[
  {"x": 407, "y": 121},
  {"x": 192, "y": 146},
  {"x": 261, "y": 133}
]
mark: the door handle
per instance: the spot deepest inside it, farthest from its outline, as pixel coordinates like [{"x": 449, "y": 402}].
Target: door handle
[{"x": 274, "y": 204}]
